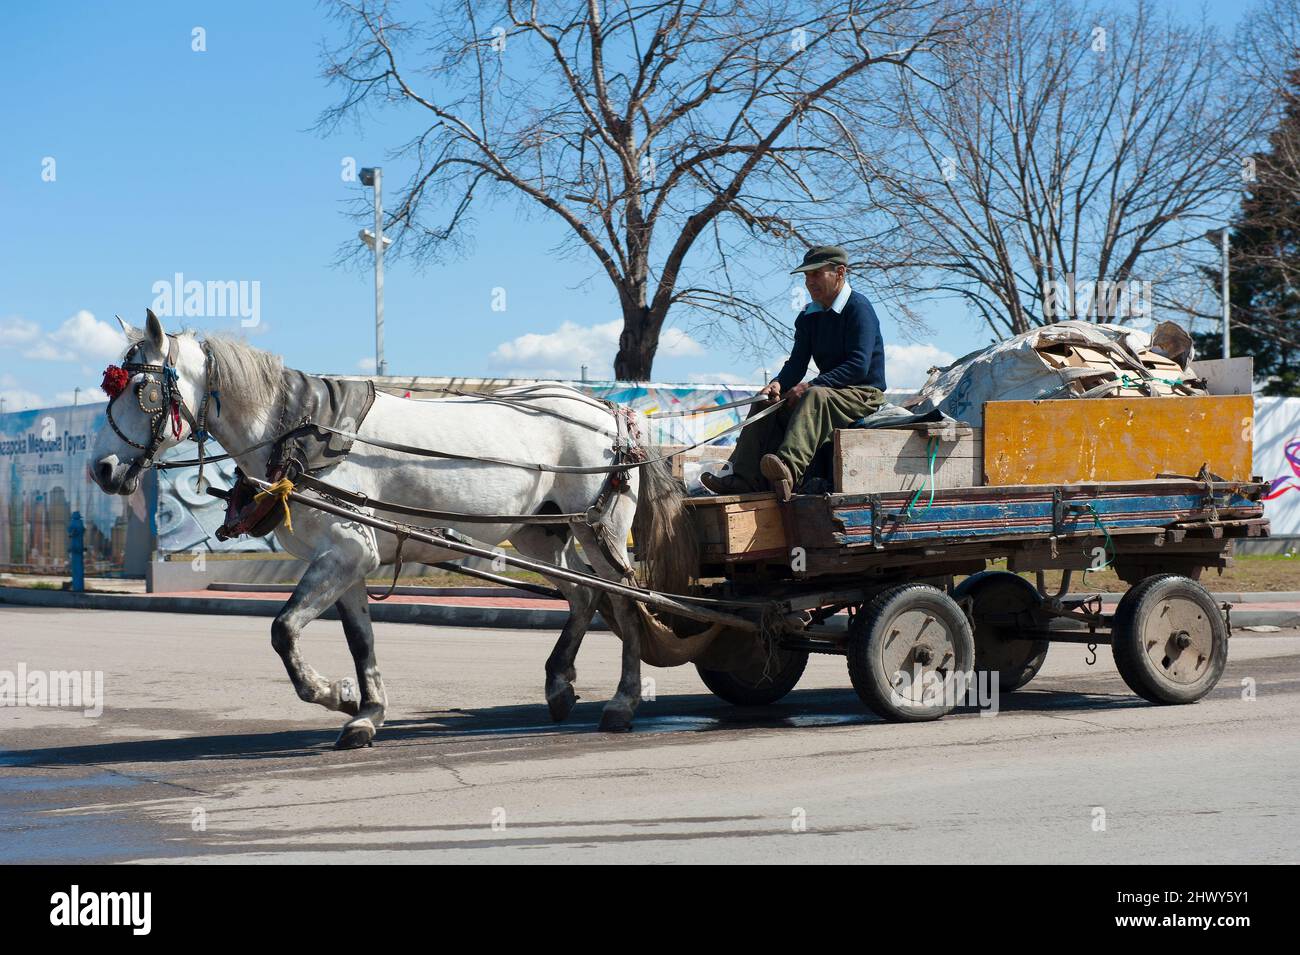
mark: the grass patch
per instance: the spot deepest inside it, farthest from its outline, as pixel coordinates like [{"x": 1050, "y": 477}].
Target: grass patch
[
  {"x": 446, "y": 578},
  {"x": 1263, "y": 573}
]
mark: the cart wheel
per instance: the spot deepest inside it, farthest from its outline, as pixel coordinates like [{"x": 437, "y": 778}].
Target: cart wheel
[
  {"x": 759, "y": 683},
  {"x": 995, "y": 596},
  {"x": 905, "y": 650},
  {"x": 1169, "y": 640}
]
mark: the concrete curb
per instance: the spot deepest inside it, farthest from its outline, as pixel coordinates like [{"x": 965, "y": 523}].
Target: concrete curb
[
  {"x": 505, "y": 618},
  {"x": 442, "y": 615}
]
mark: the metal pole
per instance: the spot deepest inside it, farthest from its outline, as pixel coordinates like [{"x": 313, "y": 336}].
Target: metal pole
[
  {"x": 76, "y": 552},
  {"x": 1227, "y": 305},
  {"x": 381, "y": 367}
]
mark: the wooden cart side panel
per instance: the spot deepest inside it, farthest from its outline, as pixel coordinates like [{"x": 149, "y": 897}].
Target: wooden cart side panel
[
  {"x": 951, "y": 520},
  {"x": 748, "y": 524},
  {"x": 1116, "y": 439},
  {"x": 873, "y": 460}
]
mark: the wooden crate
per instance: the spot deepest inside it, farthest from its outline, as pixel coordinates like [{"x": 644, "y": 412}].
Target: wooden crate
[
  {"x": 870, "y": 461},
  {"x": 738, "y": 524},
  {"x": 1116, "y": 439}
]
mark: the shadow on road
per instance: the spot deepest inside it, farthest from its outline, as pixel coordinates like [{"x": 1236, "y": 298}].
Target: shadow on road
[{"x": 694, "y": 713}]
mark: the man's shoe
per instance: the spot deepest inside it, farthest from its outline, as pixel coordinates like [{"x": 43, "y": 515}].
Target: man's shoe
[
  {"x": 778, "y": 475},
  {"x": 725, "y": 483}
]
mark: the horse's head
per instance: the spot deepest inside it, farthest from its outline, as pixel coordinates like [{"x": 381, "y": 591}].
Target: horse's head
[{"x": 153, "y": 399}]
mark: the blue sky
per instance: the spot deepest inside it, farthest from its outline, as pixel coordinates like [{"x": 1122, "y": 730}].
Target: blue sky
[{"x": 166, "y": 160}]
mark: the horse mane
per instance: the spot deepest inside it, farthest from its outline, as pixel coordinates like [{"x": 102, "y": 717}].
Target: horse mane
[{"x": 247, "y": 377}]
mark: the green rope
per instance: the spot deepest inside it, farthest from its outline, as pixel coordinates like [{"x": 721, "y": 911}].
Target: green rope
[
  {"x": 1129, "y": 382},
  {"x": 932, "y": 453},
  {"x": 1109, "y": 544}
]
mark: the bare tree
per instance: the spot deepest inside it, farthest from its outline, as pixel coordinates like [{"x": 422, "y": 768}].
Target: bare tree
[
  {"x": 664, "y": 135},
  {"x": 1067, "y": 146}
]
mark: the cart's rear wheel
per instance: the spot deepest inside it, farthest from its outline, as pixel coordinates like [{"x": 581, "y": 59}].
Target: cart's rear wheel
[
  {"x": 906, "y": 650},
  {"x": 998, "y": 596},
  {"x": 759, "y": 683},
  {"x": 1169, "y": 640}
]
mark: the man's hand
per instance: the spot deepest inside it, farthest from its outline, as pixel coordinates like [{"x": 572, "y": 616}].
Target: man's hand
[
  {"x": 772, "y": 392},
  {"x": 797, "y": 392}
]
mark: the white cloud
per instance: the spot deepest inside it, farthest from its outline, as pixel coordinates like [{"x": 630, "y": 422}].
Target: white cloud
[
  {"x": 675, "y": 343},
  {"x": 87, "y": 396},
  {"x": 46, "y": 350},
  {"x": 906, "y": 366},
  {"x": 563, "y": 352},
  {"x": 366, "y": 366},
  {"x": 82, "y": 337},
  {"x": 87, "y": 336},
  {"x": 16, "y": 331},
  {"x": 16, "y": 397}
]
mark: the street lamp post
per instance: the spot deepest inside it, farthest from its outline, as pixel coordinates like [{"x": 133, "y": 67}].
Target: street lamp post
[
  {"x": 1220, "y": 236},
  {"x": 1227, "y": 303},
  {"x": 374, "y": 176}
]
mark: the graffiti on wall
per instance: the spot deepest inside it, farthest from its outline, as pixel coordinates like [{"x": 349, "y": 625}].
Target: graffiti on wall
[{"x": 1277, "y": 460}]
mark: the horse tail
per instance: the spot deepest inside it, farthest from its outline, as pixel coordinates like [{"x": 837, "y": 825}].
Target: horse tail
[{"x": 663, "y": 531}]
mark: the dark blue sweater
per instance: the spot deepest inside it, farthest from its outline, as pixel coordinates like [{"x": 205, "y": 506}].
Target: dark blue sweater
[{"x": 846, "y": 347}]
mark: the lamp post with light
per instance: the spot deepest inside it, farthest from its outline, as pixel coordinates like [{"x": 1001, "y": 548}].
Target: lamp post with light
[{"x": 373, "y": 176}]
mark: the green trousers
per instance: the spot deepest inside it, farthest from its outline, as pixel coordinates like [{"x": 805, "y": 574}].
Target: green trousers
[{"x": 794, "y": 433}]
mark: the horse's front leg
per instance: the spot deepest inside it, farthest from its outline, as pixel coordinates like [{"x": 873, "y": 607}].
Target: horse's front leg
[
  {"x": 328, "y": 577},
  {"x": 354, "y": 611},
  {"x": 616, "y": 717}
]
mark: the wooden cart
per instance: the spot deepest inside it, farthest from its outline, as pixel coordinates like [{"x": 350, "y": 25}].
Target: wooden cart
[{"x": 889, "y": 545}]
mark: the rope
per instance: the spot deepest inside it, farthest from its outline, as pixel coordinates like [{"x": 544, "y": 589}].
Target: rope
[
  {"x": 1129, "y": 382},
  {"x": 931, "y": 453},
  {"x": 281, "y": 489},
  {"x": 483, "y": 459},
  {"x": 1108, "y": 544}
]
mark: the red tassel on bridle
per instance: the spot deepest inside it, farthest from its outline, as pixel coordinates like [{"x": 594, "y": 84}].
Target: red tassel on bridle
[{"x": 115, "y": 381}]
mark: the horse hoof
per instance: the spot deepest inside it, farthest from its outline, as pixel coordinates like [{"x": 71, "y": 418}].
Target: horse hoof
[
  {"x": 613, "y": 721},
  {"x": 356, "y": 735},
  {"x": 562, "y": 703}
]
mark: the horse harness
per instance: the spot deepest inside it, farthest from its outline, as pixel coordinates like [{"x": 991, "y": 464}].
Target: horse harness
[
  {"x": 259, "y": 511},
  {"x": 158, "y": 396}
]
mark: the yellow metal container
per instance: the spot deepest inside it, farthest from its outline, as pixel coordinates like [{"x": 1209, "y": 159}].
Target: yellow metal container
[{"x": 1065, "y": 441}]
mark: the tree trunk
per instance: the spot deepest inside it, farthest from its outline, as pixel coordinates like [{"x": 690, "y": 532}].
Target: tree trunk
[{"x": 637, "y": 344}]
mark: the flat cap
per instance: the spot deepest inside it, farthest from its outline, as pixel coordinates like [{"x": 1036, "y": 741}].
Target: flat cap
[{"x": 822, "y": 256}]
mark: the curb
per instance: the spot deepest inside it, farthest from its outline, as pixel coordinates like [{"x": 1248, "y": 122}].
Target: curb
[
  {"x": 441, "y": 615},
  {"x": 505, "y": 618}
]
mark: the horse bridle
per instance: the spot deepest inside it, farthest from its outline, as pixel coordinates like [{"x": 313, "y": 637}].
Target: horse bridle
[{"x": 160, "y": 398}]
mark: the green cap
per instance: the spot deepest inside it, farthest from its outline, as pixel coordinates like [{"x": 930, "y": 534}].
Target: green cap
[{"x": 822, "y": 256}]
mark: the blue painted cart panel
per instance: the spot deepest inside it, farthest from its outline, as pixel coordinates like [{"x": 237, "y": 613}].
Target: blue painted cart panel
[{"x": 1026, "y": 515}]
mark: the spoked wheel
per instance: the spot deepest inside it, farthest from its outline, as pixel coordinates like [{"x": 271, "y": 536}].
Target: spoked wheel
[
  {"x": 906, "y": 649},
  {"x": 1169, "y": 640},
  {"x": 760, "y": 682},
  {"x": 998, "y": 598}
]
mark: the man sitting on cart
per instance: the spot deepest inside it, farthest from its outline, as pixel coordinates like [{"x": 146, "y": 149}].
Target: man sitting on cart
[{"x": 840, "y": 332}]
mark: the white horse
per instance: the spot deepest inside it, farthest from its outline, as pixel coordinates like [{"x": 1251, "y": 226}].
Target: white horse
[{"x": 342, "y": 553}]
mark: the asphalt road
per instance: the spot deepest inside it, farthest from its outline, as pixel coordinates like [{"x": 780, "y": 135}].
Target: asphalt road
[{"x": 204, "y": 754}]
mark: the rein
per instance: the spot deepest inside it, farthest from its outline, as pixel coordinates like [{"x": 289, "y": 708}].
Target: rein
[
  {"x": 162, "y": 401},
  {"x": 307, "y": 426}
]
